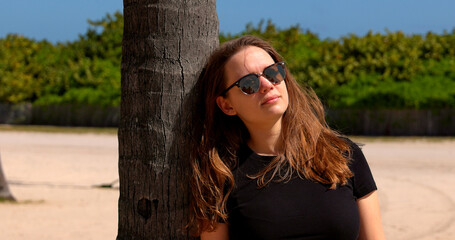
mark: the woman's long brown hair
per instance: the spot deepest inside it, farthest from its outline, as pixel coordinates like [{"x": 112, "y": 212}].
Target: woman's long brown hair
[{"x": 311, "y": 149}]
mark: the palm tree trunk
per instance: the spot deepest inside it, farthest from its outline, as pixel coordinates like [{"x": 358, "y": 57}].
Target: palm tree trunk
[
  {"x": 165, "y": 45},
  {"x": 5, "y": 193}
]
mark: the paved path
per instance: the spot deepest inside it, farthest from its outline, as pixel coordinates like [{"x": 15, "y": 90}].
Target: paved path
[
  {"x": 417, "y": 187},
  {"x": 52, "y": 175}
]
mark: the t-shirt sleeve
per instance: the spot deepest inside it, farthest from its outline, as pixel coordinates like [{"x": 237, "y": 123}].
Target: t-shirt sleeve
[{"x": 363, "y": 182}]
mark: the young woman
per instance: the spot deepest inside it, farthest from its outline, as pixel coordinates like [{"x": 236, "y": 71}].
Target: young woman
[{"x": 265, "y": 164}]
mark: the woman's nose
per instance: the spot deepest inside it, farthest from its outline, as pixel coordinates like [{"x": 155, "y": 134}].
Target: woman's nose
[{"x": 266, "y": 85}]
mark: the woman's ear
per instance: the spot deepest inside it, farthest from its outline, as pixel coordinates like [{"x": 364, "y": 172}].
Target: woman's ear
[{"x": 225, "y": 106}]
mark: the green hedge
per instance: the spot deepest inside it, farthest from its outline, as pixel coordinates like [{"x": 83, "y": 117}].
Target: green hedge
[
  {"x": 374, "y": 71},
  {"x": 86, "y": 71},
  {"x": 391, "y": 70}
]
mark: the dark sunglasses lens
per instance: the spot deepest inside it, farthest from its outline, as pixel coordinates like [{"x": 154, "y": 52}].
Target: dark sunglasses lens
[
  {"x": 249, "y": 84},
  {"x": 275, "y": 73}
]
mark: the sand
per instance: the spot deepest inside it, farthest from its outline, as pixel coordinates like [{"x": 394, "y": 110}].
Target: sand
[{"x": 53, "y": 177}]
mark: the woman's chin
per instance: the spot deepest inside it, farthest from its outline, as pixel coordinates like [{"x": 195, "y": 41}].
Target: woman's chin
[{"x": 276, "y": 109}]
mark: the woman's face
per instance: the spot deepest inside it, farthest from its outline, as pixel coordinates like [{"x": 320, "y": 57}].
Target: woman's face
[{"x": 263, "y": 107}]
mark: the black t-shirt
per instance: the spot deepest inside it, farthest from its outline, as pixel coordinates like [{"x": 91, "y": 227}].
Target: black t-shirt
[{"x": 298, "y": 209}]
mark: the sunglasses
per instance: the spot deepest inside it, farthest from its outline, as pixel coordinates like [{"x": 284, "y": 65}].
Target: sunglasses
[{"x": 251, "y": 83}]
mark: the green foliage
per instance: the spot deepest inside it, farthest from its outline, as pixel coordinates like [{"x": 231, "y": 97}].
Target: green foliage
[
  {"x": 373, "y": 71},
  {"x": 86, "y": 71},
  {"x": 391, "y": 70}
]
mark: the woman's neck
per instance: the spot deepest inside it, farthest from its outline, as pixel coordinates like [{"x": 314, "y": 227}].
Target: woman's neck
[{"x": 266, "y": 140}]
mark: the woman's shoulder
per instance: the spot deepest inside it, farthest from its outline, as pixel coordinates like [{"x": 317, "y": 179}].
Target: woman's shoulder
[
  {"x": 362, "y": 180},
  {"x": 355, "y": 150}
]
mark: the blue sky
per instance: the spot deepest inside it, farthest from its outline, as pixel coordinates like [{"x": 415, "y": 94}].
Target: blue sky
[{"x": 63, "y": 20}]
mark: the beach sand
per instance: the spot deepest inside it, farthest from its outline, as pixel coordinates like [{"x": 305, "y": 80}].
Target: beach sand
[{"x": 53, "y": 175}]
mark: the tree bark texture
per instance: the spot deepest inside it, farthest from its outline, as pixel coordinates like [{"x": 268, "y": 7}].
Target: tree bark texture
[
  {"x": 5, "y": 193},
  {"x": 165, "y": 45}
]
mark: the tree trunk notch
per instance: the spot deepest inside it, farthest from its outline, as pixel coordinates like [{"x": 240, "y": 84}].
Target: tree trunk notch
[{"x": 165, "y": 45}]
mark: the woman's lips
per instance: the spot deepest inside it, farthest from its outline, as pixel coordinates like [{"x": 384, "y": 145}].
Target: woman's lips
[{"x": 270, "y": 99}]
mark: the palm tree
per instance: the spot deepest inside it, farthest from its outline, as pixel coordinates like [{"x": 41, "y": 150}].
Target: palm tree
[
  {"x": 5, "y": 193},
  {"x": 165, "y": 45}
]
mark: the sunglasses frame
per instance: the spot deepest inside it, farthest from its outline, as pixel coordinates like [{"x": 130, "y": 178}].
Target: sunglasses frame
[{"x": 237, "y": 83}]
